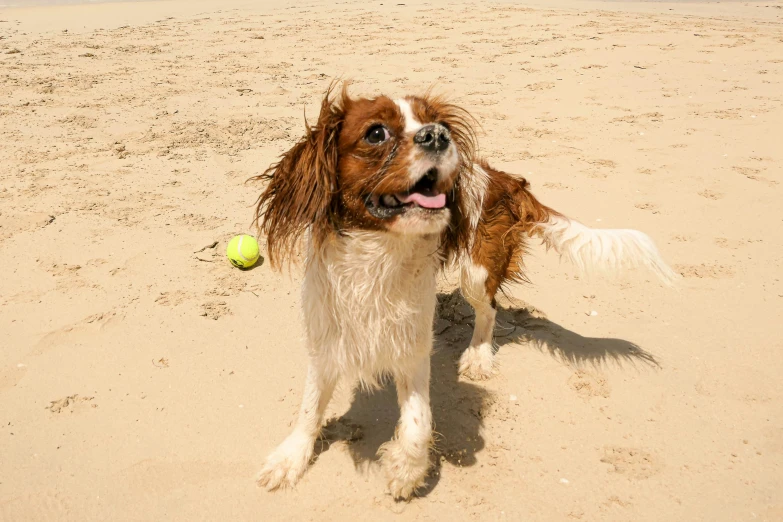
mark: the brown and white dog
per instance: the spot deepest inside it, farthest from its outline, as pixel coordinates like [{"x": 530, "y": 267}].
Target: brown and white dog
[{"x": 384, "y": 192}]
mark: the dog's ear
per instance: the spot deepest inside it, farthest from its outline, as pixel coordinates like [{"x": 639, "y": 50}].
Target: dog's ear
[{"x": 302, "y": 187}]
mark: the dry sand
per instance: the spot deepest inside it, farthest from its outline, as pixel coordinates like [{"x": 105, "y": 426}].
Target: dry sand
[{"x": 144, "y": 378}]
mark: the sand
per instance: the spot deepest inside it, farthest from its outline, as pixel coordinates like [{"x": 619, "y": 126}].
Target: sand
[{"x": 144, "y": 378}]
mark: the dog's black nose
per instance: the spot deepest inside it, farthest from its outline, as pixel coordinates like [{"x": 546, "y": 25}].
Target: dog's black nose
[{"x": 433, "y": 138}]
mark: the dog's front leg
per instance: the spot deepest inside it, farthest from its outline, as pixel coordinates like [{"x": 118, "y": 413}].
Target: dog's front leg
[
  {"x": 406, "y": 457},
  {"x": 286, "y": 464}
]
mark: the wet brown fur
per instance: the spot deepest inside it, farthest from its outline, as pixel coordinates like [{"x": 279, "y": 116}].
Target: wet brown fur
[
  {"x": 305, "y": 179},
  {"x": 508, "y": 219}
]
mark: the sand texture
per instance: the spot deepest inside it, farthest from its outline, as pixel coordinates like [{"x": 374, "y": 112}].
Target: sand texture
[{"x": 144, "y": 378}]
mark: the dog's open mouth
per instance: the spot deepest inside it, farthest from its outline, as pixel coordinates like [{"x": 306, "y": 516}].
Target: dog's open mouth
[{"x": 423, "y": 195}]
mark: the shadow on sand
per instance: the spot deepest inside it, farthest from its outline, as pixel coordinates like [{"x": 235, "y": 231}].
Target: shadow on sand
[{"x": 458, "y": 406}]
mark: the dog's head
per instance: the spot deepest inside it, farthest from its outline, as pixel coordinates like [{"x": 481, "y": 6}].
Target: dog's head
[{"x": 369, "y": 164}]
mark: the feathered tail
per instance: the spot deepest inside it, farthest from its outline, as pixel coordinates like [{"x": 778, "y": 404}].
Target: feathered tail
[{"x": 596, "y": 249}]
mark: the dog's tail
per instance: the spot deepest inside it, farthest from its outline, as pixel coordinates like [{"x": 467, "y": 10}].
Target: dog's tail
[
  {"x": 601, "y": 249},
  {"x": 589, "y": 249}
]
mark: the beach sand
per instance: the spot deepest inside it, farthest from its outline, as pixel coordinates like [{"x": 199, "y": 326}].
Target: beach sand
[{"x": 144, "y": 378}]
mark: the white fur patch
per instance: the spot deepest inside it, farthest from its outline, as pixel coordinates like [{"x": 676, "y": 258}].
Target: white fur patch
[
  {"x": 472, "y": 280},
  {"x": 473, "y": 284},
  {"x": 478, "y": 361},
  {"x": 474, "y": 189},
  {"x": 421, "y": 222},
  {"x": 595, "y": 249},
  {"x": 419, "y": 163},
  {"x": 369, "y": 303},
  {"x": 412, "y": 125}
]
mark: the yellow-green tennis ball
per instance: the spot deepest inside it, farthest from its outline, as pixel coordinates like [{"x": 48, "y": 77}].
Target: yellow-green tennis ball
[{"x": 242, "y": 251}]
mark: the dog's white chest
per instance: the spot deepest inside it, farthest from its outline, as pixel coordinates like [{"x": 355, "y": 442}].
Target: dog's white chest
[{"x": 369, "y": 301}]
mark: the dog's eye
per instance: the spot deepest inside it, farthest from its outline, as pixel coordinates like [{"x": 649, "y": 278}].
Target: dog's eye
[{"x": 376, "y": 135}]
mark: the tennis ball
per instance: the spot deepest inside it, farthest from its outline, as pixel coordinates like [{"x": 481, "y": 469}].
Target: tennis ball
[{"x": 242, "y": 251}]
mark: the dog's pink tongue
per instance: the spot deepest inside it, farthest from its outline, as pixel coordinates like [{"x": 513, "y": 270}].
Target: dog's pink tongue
[{"x": 420, "y": 199}]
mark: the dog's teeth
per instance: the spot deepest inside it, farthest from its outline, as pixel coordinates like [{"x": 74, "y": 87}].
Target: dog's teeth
[{"x": 390, "y": 201}]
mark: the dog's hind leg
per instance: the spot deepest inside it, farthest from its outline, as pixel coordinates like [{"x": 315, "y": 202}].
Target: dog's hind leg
[
  {"x": 478, "y": 361},
  {"x": 288, "y": 462}
]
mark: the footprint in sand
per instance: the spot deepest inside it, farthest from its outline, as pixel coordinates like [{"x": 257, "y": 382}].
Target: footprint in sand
[
  {"x": 215, "y": 310},
  {"x": 172, "y": 298},
  {"x": 753, "y": 173},
  {"x": 71, "y": 404},
  {"x": 652, "y": 207},
  {"x": 75, "y": 332},
  {"x": 632, "y": 462},
  {"x": 734, "y": 244},
  {"x": 705, "y": 271},
  {"x": 540, "y": 86},
  {"x": 606, "y": 163},
  {"x": 709, "y": 194},
  {"x": 588, "y": 384}
]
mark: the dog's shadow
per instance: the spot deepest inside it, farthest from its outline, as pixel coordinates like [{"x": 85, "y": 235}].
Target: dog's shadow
[{"x": 458, "y": 406}]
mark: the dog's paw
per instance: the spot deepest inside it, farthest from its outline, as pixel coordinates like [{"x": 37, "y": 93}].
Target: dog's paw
[
  {"x": 405, "y": 473},
  {"x": 478, "y": 363},
  {"x": 286, "y": 464}
]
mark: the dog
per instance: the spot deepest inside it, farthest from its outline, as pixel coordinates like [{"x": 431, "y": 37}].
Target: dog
[{"x": 384, "y": 193}]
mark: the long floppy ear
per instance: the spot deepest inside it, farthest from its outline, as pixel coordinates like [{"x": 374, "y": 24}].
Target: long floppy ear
[{"x": 302, "y": 187}]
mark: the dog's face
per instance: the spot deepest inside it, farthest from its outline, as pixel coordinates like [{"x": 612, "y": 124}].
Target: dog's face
[
  {"x": 369, "y": 164},
  {"x": 398, "y": 165}
]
